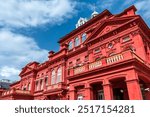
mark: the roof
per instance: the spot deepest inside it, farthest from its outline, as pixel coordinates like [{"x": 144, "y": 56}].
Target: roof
[
  {"x": 99, "y": 16},
  {"x": 4, "y": 85}
]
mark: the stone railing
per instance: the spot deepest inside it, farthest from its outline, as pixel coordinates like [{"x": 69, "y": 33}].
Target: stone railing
[
  {"x": 79, "y": 69},
  {"x": 126, "y": 55},
  {"x": 95, "y": 65},
  {"x": 114, "y": 59},
  {"x": 56, "y": 86},
  {"x": 16, "y": 91},
  {"x": 22, "y": 92}
]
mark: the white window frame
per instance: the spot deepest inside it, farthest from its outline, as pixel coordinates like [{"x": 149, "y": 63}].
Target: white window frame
[{"x": 59, "y": 75}]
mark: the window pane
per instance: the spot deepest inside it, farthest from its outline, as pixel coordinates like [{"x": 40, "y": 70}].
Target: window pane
[
  {"x": 77, "y": 41},
  {"x": 53, "y": 77},
  {"x": 59, "y": 75},
  {"x": 70, "y": 45},
  {"x": 83, "y": 37}
]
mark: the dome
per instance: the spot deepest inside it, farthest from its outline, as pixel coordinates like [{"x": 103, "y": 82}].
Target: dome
[
  {"x": 81, "y": 21},
  {"x": 95, "y": 13}
]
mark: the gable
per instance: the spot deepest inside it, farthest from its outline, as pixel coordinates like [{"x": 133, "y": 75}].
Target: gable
[
  {"x": 25, "y": 70},
  {"x": 108, "y": 29},
  {"x": 28, "y": 68},
  {"x": 109, "y": 25}
]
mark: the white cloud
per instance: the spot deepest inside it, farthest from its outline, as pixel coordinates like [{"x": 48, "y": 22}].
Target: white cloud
[
  {"x": 32, "y": 13},
  {"x": 16, "y": 51},
  {"x": 8, "y": 71},
  {"x": 143, "y": 8}
]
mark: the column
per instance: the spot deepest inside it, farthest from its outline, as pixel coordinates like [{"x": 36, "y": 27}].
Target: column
[
  {"x": 108, "y": 92},
  {"x": 133, "y": 86},
  {"x": 88, "y": 92},
  {"x": 72, "y": 93},
  {"x": 134, "y": 90}
]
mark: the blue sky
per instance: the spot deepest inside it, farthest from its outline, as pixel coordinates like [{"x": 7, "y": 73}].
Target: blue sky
[{"x": 29, "y": 29}]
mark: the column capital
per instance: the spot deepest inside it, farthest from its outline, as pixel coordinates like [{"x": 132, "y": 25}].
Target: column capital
[
  {"x": 106, "y": 84},
  {"x": 132, "y": 80}
]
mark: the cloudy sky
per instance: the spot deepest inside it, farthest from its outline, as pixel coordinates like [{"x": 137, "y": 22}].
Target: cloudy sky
[{"x": 29, "y": 29}]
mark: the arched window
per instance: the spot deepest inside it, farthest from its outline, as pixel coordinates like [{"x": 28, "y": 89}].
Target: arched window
[
  {"x": 59, "y": 75},
  {"x": 77, "y": 42},
  {"x": 37, "y": 85},
  {"x": 46, "y": 80},
  {"x": 53, "y": 77},
  {"x": 84, "y": 37},
  {"x": 70, "y": 45},
  {"x": 41, "y": 84},
  {"x": 29, "y": 86}
]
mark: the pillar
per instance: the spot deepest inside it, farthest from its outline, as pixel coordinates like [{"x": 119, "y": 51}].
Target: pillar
[
  {"x": 134, "y": 90},
  {"x": 133, "y": 86},
  {"x": 72, "y": 93},
  {"x": 108, "y": 92},
  {"x": 88, "y": 92}
]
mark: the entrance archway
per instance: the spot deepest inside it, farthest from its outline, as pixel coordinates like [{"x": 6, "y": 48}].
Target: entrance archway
[
  {"x": 97, "y": 89},
  {"x": 119, "y": 89}
]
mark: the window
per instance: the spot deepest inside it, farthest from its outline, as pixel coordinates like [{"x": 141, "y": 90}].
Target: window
[
  {"x": 126, "y": 39},
  {"x": 70, "y": 45},
  {"x": 78, "y": 61},
  {"x": 46, "y": 80},
  {"x": 41, "y": 84},
  {"x": 29, "y": 86},
  {"x": 97, "y": 50},
  {"x": 37, "y": 85},
  {"x": 77, "y": 42},
  {"x": 83, "y": 37},
  {"x": 80, "y": 97},
  {"x": 59, "y": 75},
  {"x": 86, "y": 58},
  {"x": 53, "y": 77},
  {"x": 110, "y": 45}
]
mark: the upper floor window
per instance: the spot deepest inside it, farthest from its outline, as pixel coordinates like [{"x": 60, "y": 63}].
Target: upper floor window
[
  {"x": 96, "y": 50},
  {"x": 127, "y": 38},
  {"x": 70, "y": 45},
  {"x": 29, "y": 86},
  {"x": 46, "y": 80},
  {"x": 59, "y": 75},
  {"x": 78, "y": 61},
  {"x": 41, "y": 84},
  {"x": 86, "y": 58},
  {"x": 37, "y": 85},
  {"x": 84, "y": 37},
  {"x": 77, "y": 42},
  {"x": 53, "y": 77}
]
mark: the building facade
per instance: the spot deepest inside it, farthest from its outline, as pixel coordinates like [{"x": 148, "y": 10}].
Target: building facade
[{"x": 105, "y": 58}]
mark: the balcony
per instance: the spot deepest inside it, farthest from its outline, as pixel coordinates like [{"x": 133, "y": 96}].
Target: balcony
[
  {"x": 114, "y": 59},
  {"x": 117, "y": 58},
  {"x": 55, "y": 87},
  {"x": 16, "y": 91}
]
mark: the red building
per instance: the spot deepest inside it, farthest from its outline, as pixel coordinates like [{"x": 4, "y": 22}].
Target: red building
[{"x": 106, "y": 57}]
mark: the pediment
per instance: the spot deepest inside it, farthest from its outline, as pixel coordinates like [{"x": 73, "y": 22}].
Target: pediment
[
  {"x": 109, "y": 25},
  {"x": 25, "y": 70},
  {"x": 107, "y": 29},
  {"x": 28, "y": 68}
]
